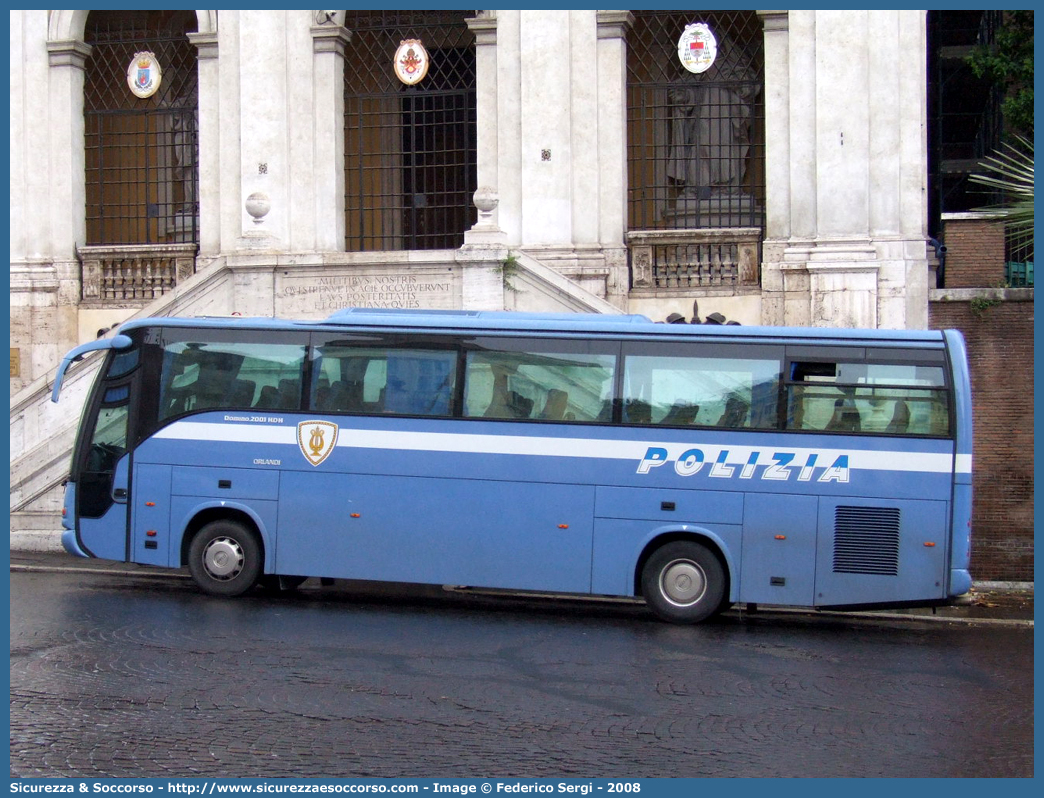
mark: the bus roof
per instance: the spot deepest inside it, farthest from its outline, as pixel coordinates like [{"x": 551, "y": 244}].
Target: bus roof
[{"x": 581, "y": 324}]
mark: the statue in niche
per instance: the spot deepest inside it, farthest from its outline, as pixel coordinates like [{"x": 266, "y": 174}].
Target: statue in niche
[
  {"x": 711, "y": 127},
  {"x": 183, "y": 129}
]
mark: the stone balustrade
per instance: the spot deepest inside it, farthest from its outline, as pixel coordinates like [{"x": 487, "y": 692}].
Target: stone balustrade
[
  {"x": 131, "y": 275},
  {"x": 684, "y": 259}
]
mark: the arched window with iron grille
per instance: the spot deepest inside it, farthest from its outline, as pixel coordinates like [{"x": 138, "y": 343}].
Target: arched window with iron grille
[
  {"x": 695, "y": 153},
  {"x": 141, "y": 154},
  {"x": 409, "y": 150},
  {"x": 696, "y": 142}
]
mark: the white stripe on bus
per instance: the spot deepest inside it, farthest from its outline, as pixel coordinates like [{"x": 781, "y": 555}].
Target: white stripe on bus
[{"x": 525, "y": 445}]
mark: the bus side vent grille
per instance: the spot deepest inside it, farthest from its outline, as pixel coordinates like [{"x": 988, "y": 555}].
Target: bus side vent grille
[{"x": 866, "y": 540}]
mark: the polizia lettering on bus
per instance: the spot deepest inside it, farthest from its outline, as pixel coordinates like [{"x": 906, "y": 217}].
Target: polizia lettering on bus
[{"x": 804, "y": 467}]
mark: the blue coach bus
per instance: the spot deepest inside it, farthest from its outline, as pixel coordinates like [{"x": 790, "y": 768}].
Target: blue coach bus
[{"x": 692, "y": 466}]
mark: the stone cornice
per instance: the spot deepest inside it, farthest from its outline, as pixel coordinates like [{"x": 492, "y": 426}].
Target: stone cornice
[
  {"x": 68, "y": 53},
  {"x": 614, "y": 24},
  {"x": 484, "y": 26},
  {"x": 330, "y": 39},
  {"x": 206, "y": 44},
  {"x": 775, "y": 20}
]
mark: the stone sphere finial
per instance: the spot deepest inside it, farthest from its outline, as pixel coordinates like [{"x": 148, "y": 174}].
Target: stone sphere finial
[
  {"x": 486, "y": 200},
  {"x": 258, "y": 205}
]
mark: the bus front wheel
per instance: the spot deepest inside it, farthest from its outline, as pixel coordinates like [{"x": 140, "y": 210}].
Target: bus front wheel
[
  {"x": 225, "y": 559},
  {"x": 683, "y": 582}
]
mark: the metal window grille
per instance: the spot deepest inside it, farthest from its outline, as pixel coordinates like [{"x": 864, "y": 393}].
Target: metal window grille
[
  {"x": 409, "y": 150},
  {"x": 695, "y": 142},
  {"x": 142, "y": 174},
  {"x": 964, "y": 112}
]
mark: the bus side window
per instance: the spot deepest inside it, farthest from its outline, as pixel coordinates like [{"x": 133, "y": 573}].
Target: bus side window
[
  {"x": 362, "y": 378},
  {"x": 419, "y": 383},
  {"x": 212, "y": 375},
  {"x": 539, "y": 385},
  {"x": 735, "y": 413},
  {"x": 730, "y": 390},
  {"x": 878, "y": 398},
  {"x": 109, "y": 441}
]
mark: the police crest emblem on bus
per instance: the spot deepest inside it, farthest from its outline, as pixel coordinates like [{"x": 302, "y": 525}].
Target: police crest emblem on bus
[{"x": 316, "y": 440}]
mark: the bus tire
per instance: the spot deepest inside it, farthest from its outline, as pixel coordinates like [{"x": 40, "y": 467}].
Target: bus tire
[
  {"x": 683, "y": 582},
  {"x": 225, "y": 558}
]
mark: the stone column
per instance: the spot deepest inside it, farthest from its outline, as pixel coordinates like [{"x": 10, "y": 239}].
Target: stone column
[
  {"x": 484, "y": 251},
  {"x": 264, "y": 158},
  {"x": 329, "y": 40},
  {"x": 904, "y": 218},
  {"x": 842, "y": 263},
  {"x": 545, "y": 146},
  {"x": 67, "y": 194},
  {"x": 55, "y": 315},
  {"x": 777, "y": 163},
  {"x": 612, "y": 149},
  {"x": 487, "y": 198},
  {"x": 209, "y": 148},
  {"x": 509, "y": 126}
]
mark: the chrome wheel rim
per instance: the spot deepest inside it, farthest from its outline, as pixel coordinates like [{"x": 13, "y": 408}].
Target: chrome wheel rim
[
  {"x": 223, "y": 559},
  {"x": 683, "y": 583}
]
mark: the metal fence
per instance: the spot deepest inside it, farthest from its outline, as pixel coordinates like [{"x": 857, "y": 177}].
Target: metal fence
[
  {"x": 409, "y": 150},
  {"x": 141, "y": 153}
]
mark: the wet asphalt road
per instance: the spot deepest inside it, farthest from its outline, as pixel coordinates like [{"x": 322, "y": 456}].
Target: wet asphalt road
[{"x": 126, "y": 675}]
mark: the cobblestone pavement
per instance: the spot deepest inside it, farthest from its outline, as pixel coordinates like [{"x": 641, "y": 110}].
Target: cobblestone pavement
[{"x": 125, "y": 674}]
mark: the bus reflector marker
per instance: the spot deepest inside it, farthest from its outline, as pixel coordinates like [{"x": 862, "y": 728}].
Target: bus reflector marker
[
  {"x": 781, "y": 537},
  {"x": 356, "y": 515},
  {"x": 150, "y": 504},
  {"x": 929, "y": 544},
  {"x": 563, "y": 526},
  {"x": 151, "y": 533}
]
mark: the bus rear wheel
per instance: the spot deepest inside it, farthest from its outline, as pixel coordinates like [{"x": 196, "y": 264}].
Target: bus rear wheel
[
  {"x": 225, "y": 558},
  {"x": 683, "y": 582}
]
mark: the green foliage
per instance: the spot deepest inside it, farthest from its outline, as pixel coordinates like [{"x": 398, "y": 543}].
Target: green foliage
[
  {"x": 508, "y": 268},
  {"x": 980, "y": 304},
  {"x": 1010, "y": 171},
  {"x": 1009, "y": 63}
]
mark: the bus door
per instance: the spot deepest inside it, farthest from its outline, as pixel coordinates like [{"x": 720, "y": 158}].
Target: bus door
[
  {"x": 98, "y": 489},
  {"x": 102, "y": 477}
]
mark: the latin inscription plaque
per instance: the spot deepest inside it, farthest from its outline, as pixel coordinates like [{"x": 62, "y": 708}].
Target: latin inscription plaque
[{"x": 319, "y": 295}]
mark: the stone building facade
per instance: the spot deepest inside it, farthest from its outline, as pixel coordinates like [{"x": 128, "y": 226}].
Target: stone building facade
[{"x": 836, "y": 147}]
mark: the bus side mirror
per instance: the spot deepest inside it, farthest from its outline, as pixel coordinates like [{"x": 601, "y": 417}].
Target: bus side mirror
[{"x": 116, "y": 342}]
